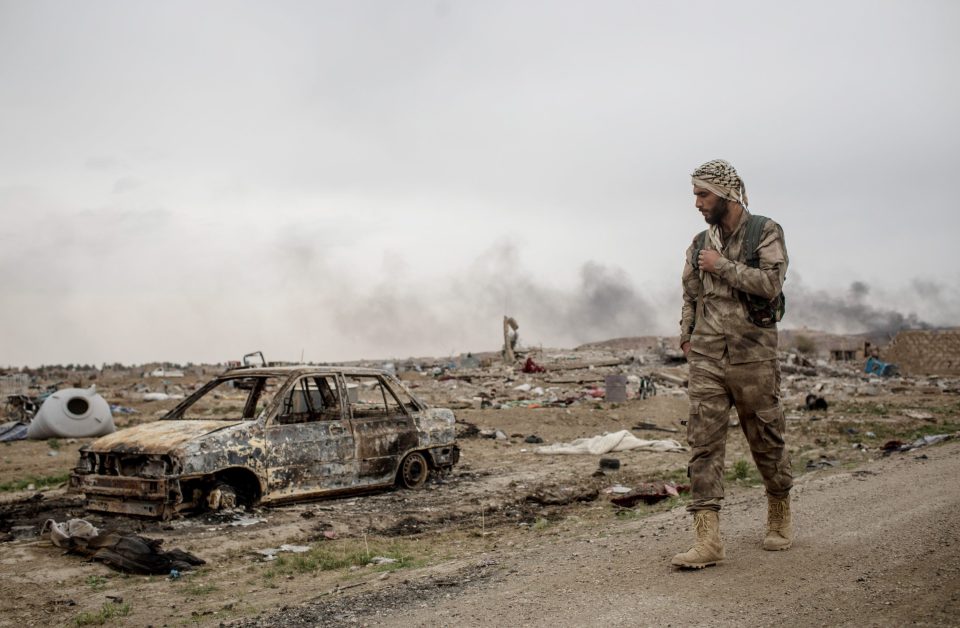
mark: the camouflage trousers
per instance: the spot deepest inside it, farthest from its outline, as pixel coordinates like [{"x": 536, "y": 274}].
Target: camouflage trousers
[{"x": 754, "y": 389}]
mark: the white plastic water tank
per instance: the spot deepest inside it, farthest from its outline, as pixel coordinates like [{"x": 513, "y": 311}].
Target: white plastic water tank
[{"x": 72, "y": 413}]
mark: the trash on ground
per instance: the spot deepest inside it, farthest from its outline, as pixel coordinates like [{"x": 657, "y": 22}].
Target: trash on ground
[
  {"x": 815, "y": 402},
  {"x": 270, "y": 553},
  {"x": 13, "y": 430},
  {"x": 382, "y": 560},
  {"x": 561, "y": 496}
]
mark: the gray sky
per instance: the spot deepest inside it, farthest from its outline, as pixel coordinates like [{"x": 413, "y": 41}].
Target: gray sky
[{"x": 189, "y": 181}]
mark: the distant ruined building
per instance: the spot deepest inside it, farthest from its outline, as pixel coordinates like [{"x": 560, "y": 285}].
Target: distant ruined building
[{"x": 925, "y": 352}]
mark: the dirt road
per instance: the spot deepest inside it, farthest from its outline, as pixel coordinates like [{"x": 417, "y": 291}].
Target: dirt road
[{"x": 878, "y": 545}]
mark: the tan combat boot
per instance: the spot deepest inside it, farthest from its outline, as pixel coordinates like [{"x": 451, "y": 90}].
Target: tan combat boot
[
  {"x": 708, "y": 549},
  {"x": 779, "y": 526}
]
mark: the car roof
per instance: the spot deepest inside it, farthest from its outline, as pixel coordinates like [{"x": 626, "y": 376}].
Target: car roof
[{"x": 300, "y": 369}]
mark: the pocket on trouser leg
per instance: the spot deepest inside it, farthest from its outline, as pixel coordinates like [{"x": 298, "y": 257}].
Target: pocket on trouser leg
[
  {"x": 693, "y": 420},
  {"x": 770, "y": 453},
  {"x": 693, "y": 423},
  {"x": 770, "y": 426},
  {"x": 772, "y": 416}
]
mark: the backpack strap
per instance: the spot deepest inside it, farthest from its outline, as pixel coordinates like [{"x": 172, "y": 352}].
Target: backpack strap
[
  {"x": 751, "y": 241},
  {"x": 700, "y": 243}
]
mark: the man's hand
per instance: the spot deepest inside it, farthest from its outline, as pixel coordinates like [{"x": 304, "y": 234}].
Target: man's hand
[
  {"x": 685, "y": 347},
  {"x": 708, "y": 260}
]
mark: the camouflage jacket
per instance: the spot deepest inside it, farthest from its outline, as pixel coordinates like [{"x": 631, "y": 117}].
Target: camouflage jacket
[{"x": 714, "y": 316}]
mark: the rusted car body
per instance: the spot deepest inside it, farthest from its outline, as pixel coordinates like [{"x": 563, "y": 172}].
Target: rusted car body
[{"x": 268, "y": 435}]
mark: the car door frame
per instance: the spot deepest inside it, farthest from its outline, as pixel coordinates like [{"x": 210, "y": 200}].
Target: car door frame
[
  {"x": 379, "y": 440},
  {"x": 312, "y": 457}
]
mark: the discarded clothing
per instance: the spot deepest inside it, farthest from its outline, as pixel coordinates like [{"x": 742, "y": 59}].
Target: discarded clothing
[
  {"x": 13, "y": 430},
  {"x": 125, "y": 552},
  {"x": 532, "y": 367},
  {"x": 617, "y": 441},
  {"x": 68, "y": 533}
]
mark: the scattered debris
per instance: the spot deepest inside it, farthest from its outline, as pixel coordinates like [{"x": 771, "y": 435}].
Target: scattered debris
[
  {"x": 650, "y": 493},
  {"x": 615, "y": 388},
  {"x": 382, "y": 560},
  {"x": 815, "y": 402},
  {"x": 822, "y": 463},
  {"x": 899, "y": 446},
  {"x": 876, "y": 367},
  {"x": 653, "y": 427},
  {"x": 531, "y": 367},
  {"x": 561, "y": 496},
  {"x": 270, "y": 553}
]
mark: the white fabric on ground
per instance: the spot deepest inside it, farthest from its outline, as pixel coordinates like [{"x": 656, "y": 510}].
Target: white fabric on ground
[{"x": 617, "y": 441}]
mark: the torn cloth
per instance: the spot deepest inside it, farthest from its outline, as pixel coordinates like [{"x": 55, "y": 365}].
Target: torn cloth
[{"x": 617, "y": 441}]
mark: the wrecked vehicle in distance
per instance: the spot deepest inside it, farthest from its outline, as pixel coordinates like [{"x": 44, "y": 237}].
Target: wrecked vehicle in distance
[{"x": 269, "y": 435}]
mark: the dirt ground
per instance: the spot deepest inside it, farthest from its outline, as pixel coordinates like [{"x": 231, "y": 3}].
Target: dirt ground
[{"x": 876, "y": 546}]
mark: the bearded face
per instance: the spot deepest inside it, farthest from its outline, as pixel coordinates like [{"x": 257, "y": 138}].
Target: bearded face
[{"x": 716, "y": 214}]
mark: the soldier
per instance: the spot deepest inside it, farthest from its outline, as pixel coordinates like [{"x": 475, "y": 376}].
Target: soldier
[{"x": 732, "y": 301}]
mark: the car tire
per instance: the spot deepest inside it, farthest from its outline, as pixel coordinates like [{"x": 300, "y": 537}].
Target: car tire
[
  {"x": 222, "y": 497},
  {"x": 414, "y": 471}
]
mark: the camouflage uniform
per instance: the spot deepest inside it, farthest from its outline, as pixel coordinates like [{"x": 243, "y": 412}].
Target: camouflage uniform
[{"x": 733, "y": 361}]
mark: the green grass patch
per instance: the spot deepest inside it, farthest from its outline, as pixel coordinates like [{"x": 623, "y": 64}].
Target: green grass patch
[
  {"x": 894, "y": 430},
  {"x": 743, "y": 472},
  {"x": 870, "y": 408},
  {"x": 198, "y": 589},
  {"x": 741, "y": 469},
  {"x": 332, "y": 555},
  {"x": 107, "y": 612},
  {"x": 952, "y": 409},
  {"x": 541, "y": 524},
  {"x": 53, "y": 443},
  {"x": 38, "y": 482},
  {"x": 643, "y": 509},
  {"x": 677, "y": 476},
  {"x": 931, "y": 429},
  {"x": 97, "y": 583}
]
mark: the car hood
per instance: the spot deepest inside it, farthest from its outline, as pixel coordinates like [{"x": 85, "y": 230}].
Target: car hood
[{"x": 158, "y": 437}]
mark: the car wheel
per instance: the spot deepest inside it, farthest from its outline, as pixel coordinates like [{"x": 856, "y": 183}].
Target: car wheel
[
  {"x": 222, "y": 497},
  {"x": 414, "y": 471}
]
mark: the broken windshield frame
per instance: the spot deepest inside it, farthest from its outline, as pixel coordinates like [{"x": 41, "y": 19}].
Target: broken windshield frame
[{"x": 229, "y": 399}]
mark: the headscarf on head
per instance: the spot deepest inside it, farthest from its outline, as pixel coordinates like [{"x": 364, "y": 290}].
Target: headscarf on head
[{"x": 721, "y": 178}]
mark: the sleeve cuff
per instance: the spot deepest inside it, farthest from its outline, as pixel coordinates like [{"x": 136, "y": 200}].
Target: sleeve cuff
[{"x": 684, "y": 338}]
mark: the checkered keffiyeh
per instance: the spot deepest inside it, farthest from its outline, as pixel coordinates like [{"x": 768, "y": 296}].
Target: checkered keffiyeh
[{"x": 721, "y": 178}]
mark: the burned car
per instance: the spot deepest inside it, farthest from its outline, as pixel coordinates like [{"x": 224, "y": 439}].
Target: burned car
[{"x": 269, "y": 435}]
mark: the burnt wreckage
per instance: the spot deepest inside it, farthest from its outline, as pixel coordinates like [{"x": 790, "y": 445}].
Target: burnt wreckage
[{"x": 269, "y": 435}]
